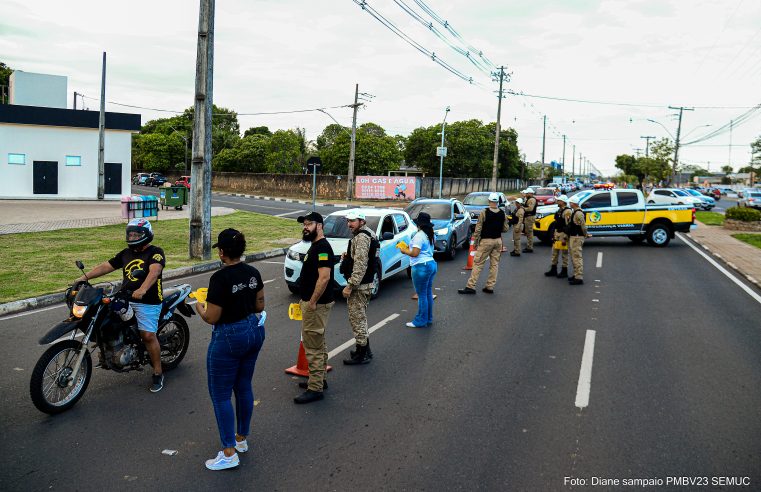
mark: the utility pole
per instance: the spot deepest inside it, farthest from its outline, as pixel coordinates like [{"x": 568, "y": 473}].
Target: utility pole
[
  {"x": 562, "y": 162},
  {"x": 350, "y": 177},
  {"x": 729, "y": 160},
  {"x": 441, "y": 156},
  {"x": 102, "y": 133},
  {"x": 75, "y": 100},
  {"x": 200, "y": 181},
  {"x": 544, "y": 134},
  {"x": 496, "y": 135},
  {"x": 647, "y": 145},
  {"x": 681, "y": 109},
  {"x": 573, "y": 163}
]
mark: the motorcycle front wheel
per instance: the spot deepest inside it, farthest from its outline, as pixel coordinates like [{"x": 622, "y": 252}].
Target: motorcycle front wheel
[
  {"x": 49, "y": 386},
  {"x": 174, "y": 337}
]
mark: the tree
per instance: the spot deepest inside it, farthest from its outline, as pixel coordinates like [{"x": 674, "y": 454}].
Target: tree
[
  {"x": 158, "y": 152},
  {"x": 249, "y": 155},
  {"x": 5, "y": 75},
  {"x": 726, "y": 169},
  {"x": 257, "y": 130},
  {"x": 376, "y": 153},
  {"x": 283, "y": 152}
]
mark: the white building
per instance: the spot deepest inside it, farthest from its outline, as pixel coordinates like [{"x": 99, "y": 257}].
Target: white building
[{"x": 52, "y": 152}]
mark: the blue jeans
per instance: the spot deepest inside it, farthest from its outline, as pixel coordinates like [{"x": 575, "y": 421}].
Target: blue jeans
[
  {"x": 422, "y": 279},
  {"x": 230, "y": 364}
]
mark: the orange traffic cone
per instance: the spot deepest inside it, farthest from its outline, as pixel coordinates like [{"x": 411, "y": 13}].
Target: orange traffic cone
[
  {"x": 471, "y": 255},
  {"x": 302, "y": 366}
]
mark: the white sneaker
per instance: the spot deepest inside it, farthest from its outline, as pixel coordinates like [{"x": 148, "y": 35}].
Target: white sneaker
[
  {"x": 222, "y": 462},
  {"x": 241, "y": 446}
]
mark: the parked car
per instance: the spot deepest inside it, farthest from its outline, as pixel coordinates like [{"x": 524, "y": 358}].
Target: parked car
[
  {"x": 751, "y": 198},
  {"x": 450, "y": 223},
  {"x": 183, "y": 181},
  {"x": 713, "y": 192},
  {"x": 156, "y": 179},
  {"x": 389, "y": 225},
  {"x": 707, "y": 202},
  {"x": 545, "y": 196},
  {"x": 477, "y": 201},
  {"x": 140, "y": 178},
  {"x": 675, "y": 196}
]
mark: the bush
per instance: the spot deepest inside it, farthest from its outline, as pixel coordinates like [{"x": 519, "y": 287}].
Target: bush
[{"x": 743, "y": 214}]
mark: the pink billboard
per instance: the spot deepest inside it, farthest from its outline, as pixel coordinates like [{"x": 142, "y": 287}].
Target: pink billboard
[{"x": 385, "y": 187}]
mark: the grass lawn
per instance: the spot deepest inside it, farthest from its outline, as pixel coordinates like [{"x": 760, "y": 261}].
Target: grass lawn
[
  {"x": 752, "y": 239},
  {"x": 39, "y": 263},
  {"x": 710, "y": 218}
]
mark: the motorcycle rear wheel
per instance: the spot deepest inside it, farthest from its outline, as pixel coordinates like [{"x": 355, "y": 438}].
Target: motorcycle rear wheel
[
  {"x": 174, "y": 338},
  {"x": 48, "y": 386}
]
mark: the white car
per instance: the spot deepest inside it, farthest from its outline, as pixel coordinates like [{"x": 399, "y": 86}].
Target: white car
[
  {"x": 673, "y": 196},
  {"x": 390, "y": 227}
]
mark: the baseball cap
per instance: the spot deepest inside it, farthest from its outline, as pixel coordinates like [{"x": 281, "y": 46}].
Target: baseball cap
[
  {"x": 562, "y": 198},
  {"x": 493, "y": 197},
  {"x": 228, "y": 238},
  {"x": 354, "y": 215},
  {"x": 519, "y": 200},
  {"x": 311, "y": 217}
]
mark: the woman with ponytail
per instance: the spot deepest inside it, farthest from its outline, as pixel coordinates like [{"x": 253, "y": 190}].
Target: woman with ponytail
[{"x": 424, "y": 268}]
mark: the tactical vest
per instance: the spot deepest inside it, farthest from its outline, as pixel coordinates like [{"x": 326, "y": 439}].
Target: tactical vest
[
  {"x": 493, "y": 224},
  {"x": 573, "y": 228},
  {"x": 347, "y": 265},
  {"x": 560, "y": 225},
  {"x": 530, "y": 212}
]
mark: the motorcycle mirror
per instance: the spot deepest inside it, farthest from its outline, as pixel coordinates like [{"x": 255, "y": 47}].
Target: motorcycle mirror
[{"x": 80, "y": 265}]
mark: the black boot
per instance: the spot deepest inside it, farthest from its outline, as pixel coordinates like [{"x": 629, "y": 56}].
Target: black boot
[
  {"x": 360, "y": 357},
  {"x": 369, "y": 352},
  {"x": 563, "y": 273},
  {"x": 576, "y": 281},
  {"x": 514, "y": 253},
  {"x": 552, "y": 272},
  {"x": 305, "y": 384},
  {"x": 308, "y": 397}
]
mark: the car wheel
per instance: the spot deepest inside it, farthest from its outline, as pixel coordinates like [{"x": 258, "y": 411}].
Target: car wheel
[
  {"x": 293, "y": 289},
  {"x": 376, "y": 282},
  {"x": 466, "y": 243},
  {"x": 651, "y": 202},
  {"x": 409, "y": 272},
  {"x": 658, "y": 235},
  {"x": 452, "y": 248}
]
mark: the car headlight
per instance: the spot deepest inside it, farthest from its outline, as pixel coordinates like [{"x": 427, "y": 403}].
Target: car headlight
[
  {"x": 442, "y": 232},
  {"x": 292, "y": 255}
]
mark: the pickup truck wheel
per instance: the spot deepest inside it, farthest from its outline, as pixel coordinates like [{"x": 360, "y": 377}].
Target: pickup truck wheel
[{"x": 658, "y": 235}]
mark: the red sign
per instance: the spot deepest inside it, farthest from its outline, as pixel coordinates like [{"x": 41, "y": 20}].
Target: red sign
[{"x": 385, "y": 187}]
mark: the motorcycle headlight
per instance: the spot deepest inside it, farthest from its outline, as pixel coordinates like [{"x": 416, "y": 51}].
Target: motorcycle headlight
[
  {"x": 292, "y": 255},
  {"x": 78, "y": 310},
  {"x": 441, "y": 232}
]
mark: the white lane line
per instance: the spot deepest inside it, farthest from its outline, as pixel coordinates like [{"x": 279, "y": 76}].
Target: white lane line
[
  {"x": 599, "y": 259},
  {"x": 270, "y": 280},
  {"x": 723, "y": 270},
  {"x": 271, "y": 262},
  {"x": 351, "y": 341},
  {"x": 248, "y": 204},
  {"x": 27, "y": 313},
  {"x": 290, "y": 213},
  {"x": 585, "y": 374}
]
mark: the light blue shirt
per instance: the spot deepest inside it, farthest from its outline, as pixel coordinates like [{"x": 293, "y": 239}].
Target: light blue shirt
[{"x": 420, "y": 241}]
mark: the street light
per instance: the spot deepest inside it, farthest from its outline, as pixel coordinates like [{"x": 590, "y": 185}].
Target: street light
[
  {"x": 659, "y": 123},
  {"x": 441, "y": 152},
  {"x": 697, "y": 127}
]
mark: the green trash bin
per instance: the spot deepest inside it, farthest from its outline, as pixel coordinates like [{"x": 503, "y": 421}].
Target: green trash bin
[{"x": 173, "y": 196}]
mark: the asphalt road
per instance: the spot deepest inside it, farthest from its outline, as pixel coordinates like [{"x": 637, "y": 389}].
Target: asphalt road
[{"x": 487, "y": 398}]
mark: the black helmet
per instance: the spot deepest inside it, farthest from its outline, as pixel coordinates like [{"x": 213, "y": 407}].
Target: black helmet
[{"x": 143, "y": 227}]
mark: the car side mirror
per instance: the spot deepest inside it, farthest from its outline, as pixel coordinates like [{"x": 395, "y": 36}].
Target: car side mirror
[
  {"x": 387, "y": 236},
  {"x": 459, "y": 216}
]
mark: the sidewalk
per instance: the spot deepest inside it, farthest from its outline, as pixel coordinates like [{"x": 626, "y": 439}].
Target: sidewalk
[
  {"x": 47, "y": 215},
  {"x": 740, "y": 256}
]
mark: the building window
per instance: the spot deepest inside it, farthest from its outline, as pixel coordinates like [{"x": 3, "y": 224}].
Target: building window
[
  {"x": 73, "y": 160},
  {"x": 17, "y": 159}
]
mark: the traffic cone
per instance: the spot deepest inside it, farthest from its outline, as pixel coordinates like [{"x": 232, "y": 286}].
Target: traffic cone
[
  {"x": 302, "y": 366},
  {"x": 471, "y": 255}
]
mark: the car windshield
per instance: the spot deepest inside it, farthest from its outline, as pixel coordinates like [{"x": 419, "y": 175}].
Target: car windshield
[
  {"x": 680, "y": 193},
  {"x": 437, "y": 210},
  {"x": 545, "y": 191},
  {"x": 693, "y": 192},
  {"x": 335, "y": 226},
  {"x": 476, "y": 200}
]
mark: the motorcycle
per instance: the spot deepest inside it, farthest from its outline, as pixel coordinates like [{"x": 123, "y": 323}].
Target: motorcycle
[{"x": 107, "y": 325}]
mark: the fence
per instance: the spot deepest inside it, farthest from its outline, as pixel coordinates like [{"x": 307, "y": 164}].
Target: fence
[{"x": 429, "y": 187}]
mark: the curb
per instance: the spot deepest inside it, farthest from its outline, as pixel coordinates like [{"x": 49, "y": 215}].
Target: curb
[
  {"x": 291, "y": 200},
  {"x": 22, "y": 305},
  {"x": 728, "y": 263}
]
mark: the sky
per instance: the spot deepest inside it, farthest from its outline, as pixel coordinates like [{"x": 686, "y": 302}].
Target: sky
[{"x": 275, "y": 55}]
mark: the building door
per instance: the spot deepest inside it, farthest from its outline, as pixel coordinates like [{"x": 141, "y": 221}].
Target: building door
[
  {"x": 45, "y": 180},
  {"x": 113, "y": 178}
]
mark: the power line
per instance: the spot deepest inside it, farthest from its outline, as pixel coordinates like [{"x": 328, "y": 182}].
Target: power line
[{"x": 612, "y": 103}]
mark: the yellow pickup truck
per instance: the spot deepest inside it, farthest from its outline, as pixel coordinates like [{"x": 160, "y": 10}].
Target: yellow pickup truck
[{"x": 622, "y": 212}]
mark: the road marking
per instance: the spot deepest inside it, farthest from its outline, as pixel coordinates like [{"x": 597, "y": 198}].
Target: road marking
[
  {"x": 272, "y": 262},
  {"x": 585, "y": 374},
  {"x": 351, "y": 341},
  {"x": 11, "y": 316},
  {"x": 290, "y": 213},
  {"x": 248, "y": 204},
  {"x": 599, "y": 259},
  {"x": 723, "y": 270},
  {"x": 270, "y": 280}
]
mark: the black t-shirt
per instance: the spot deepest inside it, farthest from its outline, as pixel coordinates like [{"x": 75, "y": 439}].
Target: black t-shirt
[
  {"x": 234, "y": 289},
  {"x": 135, "y": 269},
  {"x": 320, "y": 255}
]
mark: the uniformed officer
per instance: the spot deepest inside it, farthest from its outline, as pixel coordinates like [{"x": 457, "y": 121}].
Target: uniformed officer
[
  {"x": 487, "y": 238},
  {"x": 358, "y": 267},
  {"x": 562, "y": 219},
  {"x": 517, "y": 222},
  {"x": 528, "y": 219},
  {"x": 577, "y": 231}
]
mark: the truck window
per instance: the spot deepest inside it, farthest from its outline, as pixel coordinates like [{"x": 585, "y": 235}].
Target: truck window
[
  {"x": 627, "y": 198},
  {"x": 597, "y": 201}
]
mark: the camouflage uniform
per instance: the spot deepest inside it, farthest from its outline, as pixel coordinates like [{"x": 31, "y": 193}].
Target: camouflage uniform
[
  {"x": 560, "y": 235},
  {"x": 528, "y": 223},
  {"x": 360, "y": 293},
  {"x": 517, "y": 229},
  {"x": 486, "y": 248},
  {"x": 576, "y": 242}
]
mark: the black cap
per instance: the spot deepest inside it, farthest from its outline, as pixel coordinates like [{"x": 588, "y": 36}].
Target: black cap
[
  {"x": 228, "y": 238},
  {"x": 311, "y": 217},
  {"x": 423, "y": 219}
]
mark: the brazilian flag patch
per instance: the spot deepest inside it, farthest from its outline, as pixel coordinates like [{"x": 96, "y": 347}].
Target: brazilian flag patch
[{"x": 322, "y": 257}]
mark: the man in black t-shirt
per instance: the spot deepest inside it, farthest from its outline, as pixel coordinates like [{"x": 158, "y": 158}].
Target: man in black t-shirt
[
  {"x": 316, "y": 303},
  {"x": 141, "y": 264}
]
